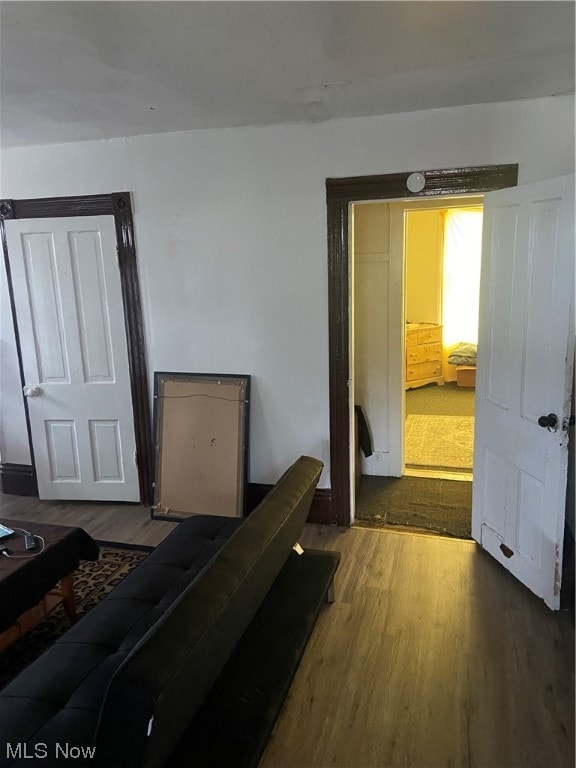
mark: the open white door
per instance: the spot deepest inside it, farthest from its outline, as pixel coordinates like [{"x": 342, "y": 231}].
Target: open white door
[
  {"x": 70, "y": 319},
  {"x": 525, "y": 358}
]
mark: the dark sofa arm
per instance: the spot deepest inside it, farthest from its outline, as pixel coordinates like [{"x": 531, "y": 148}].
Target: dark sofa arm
[{"x": 159, "y": 687}]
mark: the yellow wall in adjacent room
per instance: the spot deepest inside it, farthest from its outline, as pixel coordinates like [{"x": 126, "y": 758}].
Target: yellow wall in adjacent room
[{"x": 424, "y": 238}]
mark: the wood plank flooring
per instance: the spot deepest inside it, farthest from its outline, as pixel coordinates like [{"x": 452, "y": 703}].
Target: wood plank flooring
[
  {"x": 432, "y": 655},
  {"x": 125, "y": 523}
]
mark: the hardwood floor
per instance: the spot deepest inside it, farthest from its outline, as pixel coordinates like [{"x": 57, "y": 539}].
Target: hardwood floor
[
  {"x": 125, "y": 523},
  {"x": 432, "y": 654}
]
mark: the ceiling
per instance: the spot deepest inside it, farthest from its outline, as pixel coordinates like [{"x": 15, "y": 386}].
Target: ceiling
[{"x": 73, "y": 71}]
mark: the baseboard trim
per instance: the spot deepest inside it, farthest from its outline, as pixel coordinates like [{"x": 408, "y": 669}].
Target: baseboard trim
[
  {"x": 320, "y": 509},
  {"x": 18, "y": 479}
]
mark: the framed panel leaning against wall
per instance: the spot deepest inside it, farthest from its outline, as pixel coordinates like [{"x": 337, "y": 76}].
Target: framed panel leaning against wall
[{"x": 201, "y": 426}]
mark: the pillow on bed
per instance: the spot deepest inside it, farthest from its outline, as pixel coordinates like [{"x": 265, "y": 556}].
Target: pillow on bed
[{"x": 463, "y": 354}]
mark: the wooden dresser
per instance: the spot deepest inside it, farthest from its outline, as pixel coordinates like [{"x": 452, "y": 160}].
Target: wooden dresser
[{"x": 423, "y": 354}]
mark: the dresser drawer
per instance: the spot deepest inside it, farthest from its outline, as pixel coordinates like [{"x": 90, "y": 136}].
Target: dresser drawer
[
  {"x": 424, "y": 353},
  {"x": 428, "y": 335},
  {"x": 423, "y": 371},
  {"x": 411, "y": 338}
]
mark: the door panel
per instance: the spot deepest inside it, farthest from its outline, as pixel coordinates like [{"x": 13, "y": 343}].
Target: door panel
[
  {"x": 525, "y": 351},
  {"x": 45, "y": 324},
  {"x": 62, "y": 446},
  {"x": 106, "y": 450},
  {"x": 70, "y": 318},
  {"x": 501, "y": 309},
  {"x": 91, "y": 306}
]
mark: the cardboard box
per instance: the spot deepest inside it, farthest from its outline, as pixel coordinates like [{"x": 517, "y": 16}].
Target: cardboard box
[{"x": 466, "y": 375}]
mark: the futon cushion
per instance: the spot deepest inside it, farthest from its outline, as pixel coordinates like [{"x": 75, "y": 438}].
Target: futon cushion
[
  {"x": 129, "y": 676},
  {"x": 168, "y": 674}
]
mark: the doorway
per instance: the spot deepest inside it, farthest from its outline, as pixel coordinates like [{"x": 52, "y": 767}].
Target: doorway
[
  {"x": 341, "y": 194},
  {"x": 420, "y": 364},
  {"x": 522, "y": 402},
  {"x": 442, "y": 253}
]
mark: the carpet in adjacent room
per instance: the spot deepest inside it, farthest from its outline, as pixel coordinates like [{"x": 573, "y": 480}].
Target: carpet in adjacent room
[
  {"x": 445, "y": 442},
  {"x": 441, "y": 400}
]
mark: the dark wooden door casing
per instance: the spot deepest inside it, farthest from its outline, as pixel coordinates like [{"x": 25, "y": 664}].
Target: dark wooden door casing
[
  {"x": 340, "y": 193},
  {"x": 118, "y": 205}
]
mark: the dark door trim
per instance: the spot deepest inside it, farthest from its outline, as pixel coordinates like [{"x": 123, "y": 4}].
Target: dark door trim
[
  {"x": 118, "y": 205},
  {"x": 339, "y": 194}
]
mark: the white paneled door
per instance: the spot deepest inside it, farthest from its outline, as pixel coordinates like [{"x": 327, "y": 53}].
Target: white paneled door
[
  {"x": 70, "y": 319},
  {"x": 523, "y": 386}
]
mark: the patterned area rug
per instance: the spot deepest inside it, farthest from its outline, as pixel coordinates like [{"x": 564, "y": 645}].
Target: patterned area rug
[
  {"x": 446, "y": 442},
  {"x": 93, "y": 581}
]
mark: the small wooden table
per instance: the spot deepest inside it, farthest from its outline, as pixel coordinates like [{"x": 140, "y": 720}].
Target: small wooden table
[{"x": 34, "y": 583}]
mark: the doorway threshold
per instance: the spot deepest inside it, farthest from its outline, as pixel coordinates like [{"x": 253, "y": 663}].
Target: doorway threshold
[{"x": 439, "y": 474}]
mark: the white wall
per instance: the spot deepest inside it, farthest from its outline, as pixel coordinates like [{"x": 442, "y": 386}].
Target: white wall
[
  {"x": 231, "y": 241},
  {"x": 373, "y": 282}
]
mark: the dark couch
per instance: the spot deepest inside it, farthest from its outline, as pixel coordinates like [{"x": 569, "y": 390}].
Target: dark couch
[{"x": 126, "y": 682}]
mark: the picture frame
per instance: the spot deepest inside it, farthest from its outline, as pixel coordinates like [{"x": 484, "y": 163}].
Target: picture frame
[{"x": 201, "y": 439}]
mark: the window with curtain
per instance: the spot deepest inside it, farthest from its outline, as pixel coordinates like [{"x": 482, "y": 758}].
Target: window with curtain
[{"x": 461, "y": 281}]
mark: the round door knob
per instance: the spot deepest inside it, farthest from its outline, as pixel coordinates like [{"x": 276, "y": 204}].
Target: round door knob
[
  {"x": 34, "y": 391},
  {"x": 550, "y": 421}
]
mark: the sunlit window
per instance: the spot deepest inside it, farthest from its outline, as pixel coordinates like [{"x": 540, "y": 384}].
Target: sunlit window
[{"x": 461, "y": 288}]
